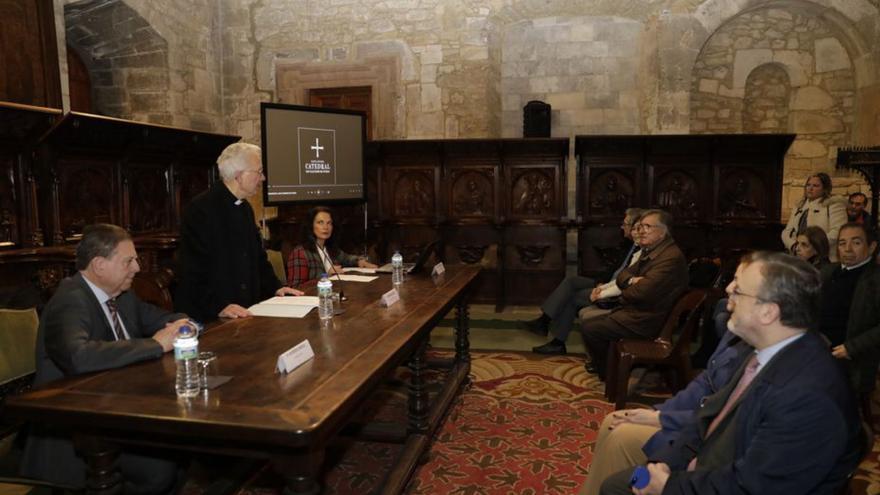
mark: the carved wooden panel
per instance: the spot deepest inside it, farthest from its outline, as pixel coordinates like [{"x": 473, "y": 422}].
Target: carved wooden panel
[
  {"x": 723, "y": 191},
  {"x": 148, "y": 198},
  {"x": 8, "y": 203},
  {"x": 471, "y": 193},
  {"x": 87, "y": 194},
  {"x": 532, "y": 192},
  {"x": 743, "y": 194},
  {"x": 412, "y": 192},
  {"x": 29, "y": 71},
  {"x": 677, "y": 191},
  {"x": 612, "y": 191},
  {"x": 190, "y": 182}
]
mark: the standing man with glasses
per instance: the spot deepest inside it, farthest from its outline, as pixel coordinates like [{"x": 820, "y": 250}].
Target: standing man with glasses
[
  {"x": 222, "y": 266},
  {"x": 649, "y": 289},
  {"x": 561, "y": 307},
  {"x": 94, "y": 323}
]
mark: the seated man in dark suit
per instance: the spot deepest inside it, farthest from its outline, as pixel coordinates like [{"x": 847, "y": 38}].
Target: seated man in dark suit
[
  {"x": 786, "y": 422},
  {"x": 630, "y": 437},
  {"x": 561, "y": 306},
  {"x": 649, "y": 290},
  {"x": 93, "y": 323}
]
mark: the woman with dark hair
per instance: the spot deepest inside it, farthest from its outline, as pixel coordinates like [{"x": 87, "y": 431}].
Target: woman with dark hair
[
  {"x": 318, "y": 253},
  {"x": 812, "y": 246},
  {"x": 817, "y": 208}
]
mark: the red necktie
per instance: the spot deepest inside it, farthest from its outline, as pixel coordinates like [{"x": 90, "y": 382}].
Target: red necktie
[
  {"x": 744, "y": 381},
  {"x": 114, "y": 317}
]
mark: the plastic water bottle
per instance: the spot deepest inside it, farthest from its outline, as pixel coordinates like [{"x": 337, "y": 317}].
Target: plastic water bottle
[
  {"x": 325, "y": 298},
  {"x": 396, "y": 269},
  {"x": 186, "y": 356}
]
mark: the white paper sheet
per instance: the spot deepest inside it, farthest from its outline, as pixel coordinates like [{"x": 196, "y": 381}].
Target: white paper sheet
[
  {"x": 356, "y": 278},
  {"x": 280, "y": 310},
  {"x": 285, "y": 306}
]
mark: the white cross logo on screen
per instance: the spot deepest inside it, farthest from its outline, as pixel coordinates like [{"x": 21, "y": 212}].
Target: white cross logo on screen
[{"x": 317, "y": 147}]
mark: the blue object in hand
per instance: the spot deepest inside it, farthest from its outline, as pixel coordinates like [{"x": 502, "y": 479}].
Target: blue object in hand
[{"x": 640, "y": 478}]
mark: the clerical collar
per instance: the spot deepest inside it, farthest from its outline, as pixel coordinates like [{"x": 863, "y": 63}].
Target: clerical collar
[{"x": 863, "y": 263}]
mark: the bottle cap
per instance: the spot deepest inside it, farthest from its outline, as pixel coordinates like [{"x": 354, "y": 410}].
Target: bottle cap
[{"x": 640, "y": 477}]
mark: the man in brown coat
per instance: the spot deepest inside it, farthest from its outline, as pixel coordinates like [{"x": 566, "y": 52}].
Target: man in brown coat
[{"x": 649, "y": 287}]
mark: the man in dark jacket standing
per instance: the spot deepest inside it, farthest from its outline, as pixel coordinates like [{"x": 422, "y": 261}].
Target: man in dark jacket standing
[
  {"x": 222, "y": 266},
  {"x": 851, "y": 306}
]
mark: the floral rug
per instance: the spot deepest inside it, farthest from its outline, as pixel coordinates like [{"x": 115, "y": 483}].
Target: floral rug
[{"x": 525, "y": 425}]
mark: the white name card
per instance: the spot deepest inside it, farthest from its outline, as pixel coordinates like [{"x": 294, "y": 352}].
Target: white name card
[
  {"x": 390, "y": 297},
  {"x": 294, "y": 357},
  {"x": 439, "y": 269}
]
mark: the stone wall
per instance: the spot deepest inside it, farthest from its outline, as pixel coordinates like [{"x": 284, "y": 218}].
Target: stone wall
[
  {"x": 586, "y": 68},
  {"x": 772, "y": 70},
  {"x": 465, "y": 68},
  {"x": 150, "y": 60}
]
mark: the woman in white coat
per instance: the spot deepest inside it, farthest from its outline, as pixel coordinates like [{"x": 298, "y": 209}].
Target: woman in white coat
[{"x": 817, "y": 208}]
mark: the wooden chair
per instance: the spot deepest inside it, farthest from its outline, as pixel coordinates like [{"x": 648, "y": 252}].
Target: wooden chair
[
  {"x": 155, "y": 288},
  {"x": 18, "y": 340},
  {"x": 665, "y": 350},
  {"x": 703, "y": 272}
]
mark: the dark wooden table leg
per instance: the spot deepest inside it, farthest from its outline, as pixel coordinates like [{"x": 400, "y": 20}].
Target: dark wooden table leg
[
  {"x": 102, "y": 476},
  {"x": 462, "y": 327},
  {"x": 418, "y": 392},
  {"x": 300, "y": 472}
]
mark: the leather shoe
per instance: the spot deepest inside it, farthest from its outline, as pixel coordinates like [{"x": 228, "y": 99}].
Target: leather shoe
[
  {"x": 594, "y": 370},
  {"x": 538, "y": 326},
  {"x": 551, "y": 347}
]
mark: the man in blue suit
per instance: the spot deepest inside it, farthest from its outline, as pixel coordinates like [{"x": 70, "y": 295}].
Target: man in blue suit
[{"x": 787, "y": 420}]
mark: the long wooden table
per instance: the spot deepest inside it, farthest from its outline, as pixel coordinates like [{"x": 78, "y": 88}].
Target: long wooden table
[{"x": 259, "y": 413}]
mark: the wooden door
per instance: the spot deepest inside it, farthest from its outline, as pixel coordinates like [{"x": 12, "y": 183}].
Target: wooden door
[
  {"x": 350, "y": 98},
  {"x": 80, "y": 83},
  {"x": 28, "y": 53}
]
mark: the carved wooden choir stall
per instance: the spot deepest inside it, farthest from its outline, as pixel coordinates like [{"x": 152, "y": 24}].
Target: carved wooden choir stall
[{"x": 63, "y": 173}]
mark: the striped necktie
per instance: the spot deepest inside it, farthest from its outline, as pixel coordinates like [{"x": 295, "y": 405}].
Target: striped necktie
[{"x": 114, "y": 317}]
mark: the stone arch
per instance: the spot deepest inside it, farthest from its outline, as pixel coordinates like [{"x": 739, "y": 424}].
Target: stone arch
[
  {"x": 820, "y": 103},
  {"x": 846, "y": 16},
  {"x": 126, "y": 57}
]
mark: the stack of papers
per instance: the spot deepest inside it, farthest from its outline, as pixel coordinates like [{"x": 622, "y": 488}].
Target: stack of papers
[
  {"x": 285, "y": 306},
  {"x": 357, "y": 269}
]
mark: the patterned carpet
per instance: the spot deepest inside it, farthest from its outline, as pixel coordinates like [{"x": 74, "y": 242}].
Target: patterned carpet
[{"x": 526, "y": 425}]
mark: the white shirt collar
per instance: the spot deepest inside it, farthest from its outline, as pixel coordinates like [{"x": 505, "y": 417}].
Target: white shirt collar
[
  {"x": 767, "y": 353},
  {"x": 863, "y": 263},
  {"x": 99, "y": 292}
]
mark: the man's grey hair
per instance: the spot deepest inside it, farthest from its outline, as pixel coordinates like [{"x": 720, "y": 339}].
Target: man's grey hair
[
  {"x": 233, "y": 159},
  {"x": 101, "y": 240},
  {"x": 792, "y": 284},
  {"x": 663, "y": 217},
  {"x": 634, "y": 213}
]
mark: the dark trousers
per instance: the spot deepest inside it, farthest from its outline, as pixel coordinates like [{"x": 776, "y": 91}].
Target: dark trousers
[
  {"x": 598, "y": 333},
  {"x": 617, "y": 483},
  {"x": 564, "y": 302}
]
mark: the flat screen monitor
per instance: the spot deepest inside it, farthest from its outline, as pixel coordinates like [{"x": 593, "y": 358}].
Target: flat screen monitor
[{"x": 312, "y": 155}]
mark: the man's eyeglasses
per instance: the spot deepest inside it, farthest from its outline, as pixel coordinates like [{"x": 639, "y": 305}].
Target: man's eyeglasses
[
  {"x": 645, "y": 226},
  {"x": 738, "y": 293}
]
